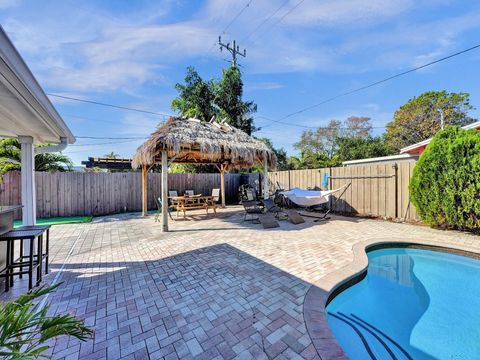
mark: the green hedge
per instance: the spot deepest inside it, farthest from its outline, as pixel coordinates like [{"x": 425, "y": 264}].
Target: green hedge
[{"x": 445, "y": 186}]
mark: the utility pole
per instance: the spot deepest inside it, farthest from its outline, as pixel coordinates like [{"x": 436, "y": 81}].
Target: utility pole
[{"x": 235, "y": 50}]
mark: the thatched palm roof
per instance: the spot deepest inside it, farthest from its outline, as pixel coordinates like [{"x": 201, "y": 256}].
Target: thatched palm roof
[{"x": 195, "y": 142}]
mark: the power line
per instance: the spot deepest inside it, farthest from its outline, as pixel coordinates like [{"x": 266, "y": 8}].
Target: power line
[
  {"x": 369, "y": 86},
  {"x": 310, "y": 126},
  {"x": 224, "y": 31},
  {"x": 110, "y": 138},
  {"x": 280, "y": 19},
  {"x": 116, "y": 122},
  {"x": 110, "y": 105},
  {"x": 264, "y": 21},
  {"x": 236, "y": 17},
  {"x": 106, "y": 143}
]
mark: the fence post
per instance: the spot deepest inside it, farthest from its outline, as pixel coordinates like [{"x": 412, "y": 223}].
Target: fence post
[
  {"x": 330, "y": 186},
  {"x": 396, "y": 189}
]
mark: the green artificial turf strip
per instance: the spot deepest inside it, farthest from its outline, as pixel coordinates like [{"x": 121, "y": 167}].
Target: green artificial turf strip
[{"x": 58, "y": 220}]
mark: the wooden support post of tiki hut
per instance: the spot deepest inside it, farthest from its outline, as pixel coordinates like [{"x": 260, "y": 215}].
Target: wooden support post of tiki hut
[
  {"x": 222, "y": 184},
  {"x": 164, "y": 191},
  {"x": 191, "y": 141},
  {"x": 144, "y": 191},
  {"x": 265, "y": 179}
]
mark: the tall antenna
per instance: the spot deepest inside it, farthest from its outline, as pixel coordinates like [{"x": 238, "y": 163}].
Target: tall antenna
[{"x": 234, "y": 50}]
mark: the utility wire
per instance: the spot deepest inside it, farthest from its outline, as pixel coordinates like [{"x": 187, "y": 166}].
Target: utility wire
[
  {"x": 280, "y": 121},
  {"x": 264, "y": 21},
  {"x": 224, "y": 31},
  {"x": 236, "y": 17},
  {"x": 279, "y": 20},
  {"x": 110, "y": 138},
  {"x": 110, "y": 105},
  {"x": 105, "y": 143}
]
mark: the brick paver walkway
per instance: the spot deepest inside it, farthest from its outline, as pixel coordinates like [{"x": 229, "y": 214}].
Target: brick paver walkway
[{"x": 210, "y": 289}]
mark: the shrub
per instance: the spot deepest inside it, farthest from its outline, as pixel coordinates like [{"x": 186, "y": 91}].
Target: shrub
[
  {"x": 445, "y": 186},
  {"x": 26, "y": 327}
]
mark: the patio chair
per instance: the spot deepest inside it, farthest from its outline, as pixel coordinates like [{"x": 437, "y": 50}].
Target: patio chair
[
  {"x": 159, "y": 206},
  {"x": 172, "y": 193},
  {"x": 251, "y": 195},
  {"x": 251, "y": 208},
  {"x": 216, "y": 195},
  {"x": 189, "y": 193},
  {"x": 272, "y": 208},
  {"x": 267, "y": 220}
]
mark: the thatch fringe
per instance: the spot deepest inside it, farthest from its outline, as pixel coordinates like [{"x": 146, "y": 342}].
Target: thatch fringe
[{"x": 193, "y": 141}]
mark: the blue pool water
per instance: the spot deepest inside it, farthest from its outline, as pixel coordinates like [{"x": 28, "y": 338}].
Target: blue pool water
[{"x": 413, "y": 304}]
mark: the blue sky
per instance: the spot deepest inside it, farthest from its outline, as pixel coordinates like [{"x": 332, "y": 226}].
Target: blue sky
[{"x": 132, "y": 53}]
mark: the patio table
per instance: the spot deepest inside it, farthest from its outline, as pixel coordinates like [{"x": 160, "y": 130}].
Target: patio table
[{"x": 185, "y": 203}]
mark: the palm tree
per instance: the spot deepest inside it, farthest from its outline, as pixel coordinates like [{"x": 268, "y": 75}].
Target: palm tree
[
  {"x": 111, "y": 155},
  {"x": 26, "y": 327},
  {"x": 10, "y": 158}
]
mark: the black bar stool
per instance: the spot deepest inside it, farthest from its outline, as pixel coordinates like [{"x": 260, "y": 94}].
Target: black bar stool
[
  {"x": 30, "y": 261},
  {"x": 44, "y": 228}
]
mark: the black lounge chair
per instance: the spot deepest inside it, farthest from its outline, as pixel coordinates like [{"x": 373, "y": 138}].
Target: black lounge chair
[
  {"x": 251, "y": 208},
  {"x": 274, "y": 209},
  {"x": 258, "y": 216},
  {"x": 289, "y": 214}
]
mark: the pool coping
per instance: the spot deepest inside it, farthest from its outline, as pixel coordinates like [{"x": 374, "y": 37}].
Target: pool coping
[{"x": 329, "y": 286}]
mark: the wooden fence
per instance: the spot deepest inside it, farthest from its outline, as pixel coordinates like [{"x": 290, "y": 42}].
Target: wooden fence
[
  {"x": 80, "y": 194},
  {"x": 375, "y": 190}
]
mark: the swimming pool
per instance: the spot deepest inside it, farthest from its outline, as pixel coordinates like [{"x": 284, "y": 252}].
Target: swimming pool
[{"x": 412, "y": 304}]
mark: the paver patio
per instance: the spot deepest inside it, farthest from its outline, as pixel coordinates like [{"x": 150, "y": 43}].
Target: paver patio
[{"x": 211, "y": 288}]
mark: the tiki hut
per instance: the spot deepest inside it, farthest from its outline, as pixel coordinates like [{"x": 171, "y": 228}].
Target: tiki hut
[{"x": 191, "y": 141}]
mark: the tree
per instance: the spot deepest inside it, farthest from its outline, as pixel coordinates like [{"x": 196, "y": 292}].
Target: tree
[
  {"x": 445, "y": 186},
  {"x": 10, "y": 158},
  {"x": 319, "y": 147},
  {"x": 353, "y": 148},
  {"x": 196, "y": 97},
  {"x": 357, "y": 127},
  {"x": 320, "y": 141},
  {"x": 228, "y": 99},
  {"x": 223, "y": 99},
  {"x": 111, "y": 155},
  {"x": 310, "y": 160},
  {"x": 420, "y": 118}
]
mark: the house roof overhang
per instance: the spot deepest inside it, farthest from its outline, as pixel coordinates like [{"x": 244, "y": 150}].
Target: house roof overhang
[
  {"x": 418, "y": 147},
  {"x": 25, "y": 109}
]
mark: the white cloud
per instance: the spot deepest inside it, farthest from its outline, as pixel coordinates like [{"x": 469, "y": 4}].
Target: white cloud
[
  {"x": 345, "y": 12},
  {"x": 263, "y": 86},
  {"x": 5, "y": 4},
  {"x": 88, "y": 50}
]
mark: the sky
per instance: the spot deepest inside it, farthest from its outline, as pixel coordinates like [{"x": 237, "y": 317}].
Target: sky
[{"x": 299, "y": 53}]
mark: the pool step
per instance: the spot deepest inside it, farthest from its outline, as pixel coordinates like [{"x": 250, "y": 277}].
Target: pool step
[{"x": 364, "y": 329}]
